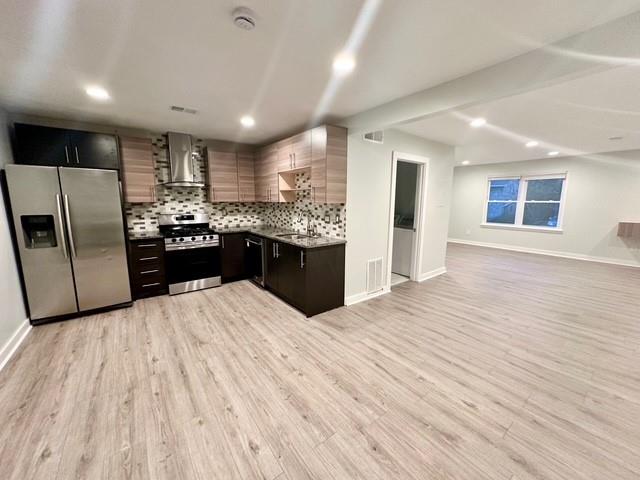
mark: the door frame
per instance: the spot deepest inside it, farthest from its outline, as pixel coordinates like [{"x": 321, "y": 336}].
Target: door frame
[{"x": 421, "y": 208}]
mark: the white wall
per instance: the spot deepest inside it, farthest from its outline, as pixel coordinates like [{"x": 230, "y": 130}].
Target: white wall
[
  {"x": 368, "y": 203},
  {"x": 12, "y": 312},
  {"x": 601, "y": 191}
]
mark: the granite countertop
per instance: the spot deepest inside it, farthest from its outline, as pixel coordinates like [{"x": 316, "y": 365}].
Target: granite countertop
[
  {"x": 272, "y": 233},
  {"x": 145, "y": 235}
]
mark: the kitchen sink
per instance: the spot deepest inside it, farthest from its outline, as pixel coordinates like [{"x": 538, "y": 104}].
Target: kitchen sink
[{"x": 292, "y": 236}]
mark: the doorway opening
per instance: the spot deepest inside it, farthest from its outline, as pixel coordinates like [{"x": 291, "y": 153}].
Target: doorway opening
[{"x": 409, "y": 174}]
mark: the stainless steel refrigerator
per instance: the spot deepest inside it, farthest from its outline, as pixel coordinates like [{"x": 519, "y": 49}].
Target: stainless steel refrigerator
[{"x": 70, "y": 236}]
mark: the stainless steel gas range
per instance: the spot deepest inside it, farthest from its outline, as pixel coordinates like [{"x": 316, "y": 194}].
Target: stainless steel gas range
[{"x": 192, "y": 252}]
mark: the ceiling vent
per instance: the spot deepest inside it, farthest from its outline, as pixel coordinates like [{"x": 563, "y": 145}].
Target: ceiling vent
[
  {"x": 177, "y": 108},
  {"x": 244, "y": 18},
  {"x": 375, "y": 137}
]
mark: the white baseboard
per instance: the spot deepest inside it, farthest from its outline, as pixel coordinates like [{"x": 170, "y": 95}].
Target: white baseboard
[
  {"x": 431, "y": 274},
  {"x": 551, "y": 253},
  {"x": 9, "y": 348},
  {"x": 364, "y": 296}
]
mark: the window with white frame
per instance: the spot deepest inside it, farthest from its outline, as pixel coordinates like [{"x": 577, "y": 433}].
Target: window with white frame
[{"x": 532, "y": 201}]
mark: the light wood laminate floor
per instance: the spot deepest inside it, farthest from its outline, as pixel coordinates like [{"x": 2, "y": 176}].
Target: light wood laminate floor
[{"x": 510, "y": 366}]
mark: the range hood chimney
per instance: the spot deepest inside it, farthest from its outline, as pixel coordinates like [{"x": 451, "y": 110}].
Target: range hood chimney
[{"x": 181, "y": 167}]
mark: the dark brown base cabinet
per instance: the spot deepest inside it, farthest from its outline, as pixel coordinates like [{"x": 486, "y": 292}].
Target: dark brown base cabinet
[
  {"x": 232, "y": 253},
  {"x": 310, "y": 279},
  {"x": 148, "y": 277}
]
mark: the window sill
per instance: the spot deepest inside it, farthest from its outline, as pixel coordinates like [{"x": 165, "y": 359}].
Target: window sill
[{"x": 523, "y": 228}]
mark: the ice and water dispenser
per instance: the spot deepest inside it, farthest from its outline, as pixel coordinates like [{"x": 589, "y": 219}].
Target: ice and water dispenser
[{"x": 38, "y": 231}]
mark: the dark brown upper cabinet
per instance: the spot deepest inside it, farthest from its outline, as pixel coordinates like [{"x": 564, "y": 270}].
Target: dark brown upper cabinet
[{"x": 57, "y": 147}]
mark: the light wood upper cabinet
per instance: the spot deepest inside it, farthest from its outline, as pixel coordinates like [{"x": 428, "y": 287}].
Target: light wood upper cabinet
[
  {"x": 329, "y": 164},
  {"x": 222, "y": 176},
  {"x": 301, "y": 149},
  {"x": 138, "y": 172},
  {"x": 266, "y": 172},
  {"x": 246, "y": 177},
  {"x": 285, "y": 154},
  {"x": 320, "y": 152}
]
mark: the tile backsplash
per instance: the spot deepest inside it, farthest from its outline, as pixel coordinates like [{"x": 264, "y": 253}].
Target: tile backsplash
[{"x": 329, "y": 219}]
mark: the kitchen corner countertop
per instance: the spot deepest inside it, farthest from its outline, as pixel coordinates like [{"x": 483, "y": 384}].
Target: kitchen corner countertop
[
  {"x": 274, "y": 234},
  {"x": 146, "y": 235}
]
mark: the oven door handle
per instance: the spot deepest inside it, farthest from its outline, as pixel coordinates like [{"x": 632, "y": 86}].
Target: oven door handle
[{"x": 170, "y": 249}]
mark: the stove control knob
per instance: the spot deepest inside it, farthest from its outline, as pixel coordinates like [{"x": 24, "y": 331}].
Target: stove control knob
[
  {"x": 181, "y": 239},
  {"x": 210, "y": 237},
  {"x": 193, "y": 238},
  {"x": 204, "y": 238},
  {"x": 173, "y": 240}
]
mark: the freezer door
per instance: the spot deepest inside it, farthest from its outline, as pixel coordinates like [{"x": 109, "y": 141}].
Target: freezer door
[
  {"x": 36, "y": 203},
  {"x": 96, "y": 236}
]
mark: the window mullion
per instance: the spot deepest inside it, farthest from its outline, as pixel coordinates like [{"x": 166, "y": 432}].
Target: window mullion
[{"x": 522, "y": 195}]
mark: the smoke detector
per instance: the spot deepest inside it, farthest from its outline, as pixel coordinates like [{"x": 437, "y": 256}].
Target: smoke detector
[{"x": 244, "y": 18}]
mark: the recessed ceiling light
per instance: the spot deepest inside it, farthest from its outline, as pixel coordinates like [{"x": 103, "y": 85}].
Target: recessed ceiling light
[
  {"x": 247, "y": 121},
  {"x": 531, "y": 144},
  {"x": 553, "y": 153},
  {"x": 97, "y": 93},
  {"x": 478, "y": 122},
  {"x": 466, "y": 162},
  {"x": 344, "y": 64}
]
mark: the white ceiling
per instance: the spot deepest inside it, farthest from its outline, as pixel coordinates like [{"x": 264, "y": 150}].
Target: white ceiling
[
  {"x": 152, "y": 54},
  {"x": 574, "y": 117}
]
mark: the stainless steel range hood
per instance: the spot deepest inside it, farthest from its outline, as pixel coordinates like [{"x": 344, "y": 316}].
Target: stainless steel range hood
[{"x": 182, "y": 169}]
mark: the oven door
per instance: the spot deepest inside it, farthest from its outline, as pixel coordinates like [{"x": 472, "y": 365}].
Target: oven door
[{"x": 191, "y": 269}]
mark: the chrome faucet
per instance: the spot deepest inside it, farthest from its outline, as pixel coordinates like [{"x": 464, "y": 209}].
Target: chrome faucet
[{"x": 312, "y": 229}]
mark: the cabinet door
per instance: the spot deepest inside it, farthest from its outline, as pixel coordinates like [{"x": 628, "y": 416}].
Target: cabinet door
[
  {"x": 222, "y": 168},
  {"x": 271, "y": 276},
  {"x": 285, "y": 155},
  {"x": 336, "y": 150},
  {"x": 233, "y": 256},
  {"x": 138, "y": 172},
  {"x": 329, "y": 164},
  {"x": 319, "y": 165},
  {"x": 267, "y": 175},
  {"x": 36, "y": 145},
  {"x": 301, "y": 149},
  {"x": 246, "y": 177},
  {"x": 93, "y": 150},
  {"x": 291, "y": 280}
]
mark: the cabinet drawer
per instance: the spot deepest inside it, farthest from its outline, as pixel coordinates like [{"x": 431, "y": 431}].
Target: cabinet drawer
[
  {"x": 146, "y": 246},
  {"x": 151, "y": 273},
  {"x": 149, "y": 289}
]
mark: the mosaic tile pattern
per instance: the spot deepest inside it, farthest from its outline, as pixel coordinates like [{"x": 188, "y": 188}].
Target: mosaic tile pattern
[{"x": 329, "y": 219}]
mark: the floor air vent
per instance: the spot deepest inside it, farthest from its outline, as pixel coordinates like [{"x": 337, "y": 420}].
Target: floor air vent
[
  {"x": 375, "y": 137},
  {"x": 374, "y": 275}
]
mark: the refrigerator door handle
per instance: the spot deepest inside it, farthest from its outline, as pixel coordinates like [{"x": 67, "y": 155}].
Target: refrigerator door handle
[
  {"x": 63, "y": 240},
  {"x": 69, "y": 229}
]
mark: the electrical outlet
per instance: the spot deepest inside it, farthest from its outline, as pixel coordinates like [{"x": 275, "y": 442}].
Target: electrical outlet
[{"x": 337, "y": 218}]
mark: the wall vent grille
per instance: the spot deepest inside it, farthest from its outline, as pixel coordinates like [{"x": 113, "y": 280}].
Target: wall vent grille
[
  {"x": 177, "y": 108},
  {"x": 374, "y": 275},
  {"x": 375, "y": 137}
]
